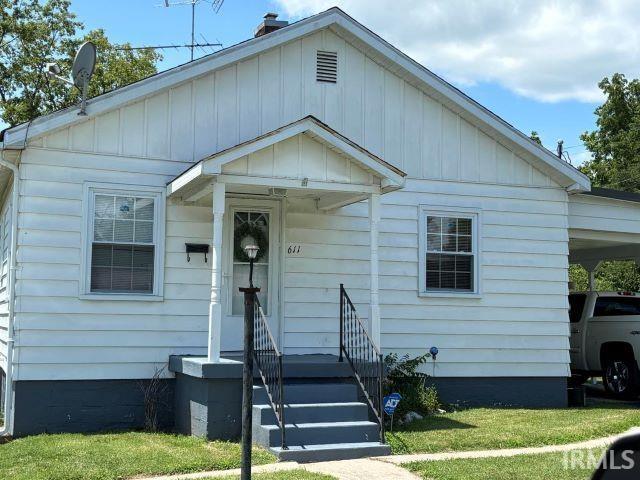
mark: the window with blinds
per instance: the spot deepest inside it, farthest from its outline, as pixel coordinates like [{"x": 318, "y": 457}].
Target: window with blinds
[
  {"x": 450, "y": 256},
  {"x": 123, "y": 246}
]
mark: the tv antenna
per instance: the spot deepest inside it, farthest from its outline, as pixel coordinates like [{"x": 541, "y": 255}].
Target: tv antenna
[
  {"x": 215, "y": 4},
  {"x": 81, "y": 72}
]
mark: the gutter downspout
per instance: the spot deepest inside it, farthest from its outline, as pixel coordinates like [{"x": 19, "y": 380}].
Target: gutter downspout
[{"x": 9, "y": 394}]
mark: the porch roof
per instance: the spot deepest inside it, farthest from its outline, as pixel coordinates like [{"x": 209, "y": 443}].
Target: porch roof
[{"x": 348, "y": 167}]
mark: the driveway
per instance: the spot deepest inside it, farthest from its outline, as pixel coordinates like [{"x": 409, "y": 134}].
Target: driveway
[{"x": 597, "y": 395}]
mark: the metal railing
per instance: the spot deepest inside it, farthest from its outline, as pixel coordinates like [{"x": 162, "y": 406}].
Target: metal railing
[
  {"x": 363, "y": 355},
  {"x": 268, "y": 359}
]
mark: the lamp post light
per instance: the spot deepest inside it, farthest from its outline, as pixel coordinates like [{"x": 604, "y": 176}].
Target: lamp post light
[
  {"x": 247, "y": 369},
  {"x": 252, "y": 252}
]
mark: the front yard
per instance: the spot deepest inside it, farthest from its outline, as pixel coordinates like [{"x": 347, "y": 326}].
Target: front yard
[
  {"x": 493, "y": 428},
  {"x": 576, "y": 465},
  {"x": 116, "y": 455}
]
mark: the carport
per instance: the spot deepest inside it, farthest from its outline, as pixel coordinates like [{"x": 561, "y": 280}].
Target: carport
[{"x": 604, "y": 224}]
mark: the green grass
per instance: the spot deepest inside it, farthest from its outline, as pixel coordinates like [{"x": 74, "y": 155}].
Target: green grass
[
  {"x": 115, "y": 456},
  {"x": 492, "y": 428},
  {"x": 558, "y": 466},
  {"x": 289, "y": 475}
]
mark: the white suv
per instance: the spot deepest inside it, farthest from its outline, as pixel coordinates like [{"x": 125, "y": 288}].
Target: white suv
[{"x": 605, "y": 339}]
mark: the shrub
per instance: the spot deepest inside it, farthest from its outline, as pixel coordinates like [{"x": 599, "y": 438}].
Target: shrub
[{"x": 403, "y": 377}]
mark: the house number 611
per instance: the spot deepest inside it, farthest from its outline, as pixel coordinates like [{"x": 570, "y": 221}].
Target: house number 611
[{"x": 294, "y": 249}]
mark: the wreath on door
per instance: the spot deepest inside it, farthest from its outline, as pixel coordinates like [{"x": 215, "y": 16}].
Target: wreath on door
[{"x": 244, "y": 231}]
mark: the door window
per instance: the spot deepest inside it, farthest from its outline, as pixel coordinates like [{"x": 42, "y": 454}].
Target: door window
[{"x": 250, "y": 228}]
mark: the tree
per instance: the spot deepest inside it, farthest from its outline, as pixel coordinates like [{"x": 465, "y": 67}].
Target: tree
[
  {"x": 33, "y": 33},
  {"x": 615, "y": 144},
  {"x": 615, "y": 149},
  {"x": 535, "y": 137}
]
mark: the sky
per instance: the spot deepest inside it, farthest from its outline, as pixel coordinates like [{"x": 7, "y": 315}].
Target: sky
[{"x": 534, "y": 63}]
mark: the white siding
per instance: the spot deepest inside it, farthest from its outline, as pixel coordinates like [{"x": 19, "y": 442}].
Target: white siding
[
  {"x": 300, "y": 157},
  {"x": 518, "y": 326},
  {"x": 5, "y": 240},
  {"x": 62, "y": 336},
  {"x": 588, "y": 212}
]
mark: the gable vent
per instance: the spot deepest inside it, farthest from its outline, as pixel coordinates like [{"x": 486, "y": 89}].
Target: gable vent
[{"x": 327, "y": 67}]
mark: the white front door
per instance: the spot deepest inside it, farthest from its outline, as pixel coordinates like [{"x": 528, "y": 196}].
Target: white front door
[{"x": 256, "y": 221}]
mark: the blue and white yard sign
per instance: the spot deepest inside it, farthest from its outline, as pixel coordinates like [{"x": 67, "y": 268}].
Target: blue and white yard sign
[{"x": 391, "y": 402}]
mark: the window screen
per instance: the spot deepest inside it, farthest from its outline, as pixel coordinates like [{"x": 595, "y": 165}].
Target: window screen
[
  {"x": 450, "y": 255},
  {"x": 616, "y": 306},
  {"x": 123, "y": 247}
]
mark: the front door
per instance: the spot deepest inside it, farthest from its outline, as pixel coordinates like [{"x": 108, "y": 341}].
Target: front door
[{"x": 258, "y": 222}]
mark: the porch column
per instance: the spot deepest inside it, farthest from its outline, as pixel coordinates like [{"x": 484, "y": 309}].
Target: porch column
[
  {"x": 215, "y": 308},
  {"x": 591, "y": 267},
  {"x": 374, "y": 308}
]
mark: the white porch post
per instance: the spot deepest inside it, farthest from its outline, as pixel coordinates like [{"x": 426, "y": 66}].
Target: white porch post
[
  {"x": 215, "y": 308},
  {"x": 374, "y": 308}
]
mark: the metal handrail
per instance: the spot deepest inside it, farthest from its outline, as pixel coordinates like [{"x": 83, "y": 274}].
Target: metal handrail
[
  {"x": 268, "y": 359},
  {"x": 363, "y": 356}
]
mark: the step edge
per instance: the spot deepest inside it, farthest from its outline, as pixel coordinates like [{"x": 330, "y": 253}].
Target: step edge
[
  {"x": 362, "y": 423},
  {"x": 308, "y": 405}
]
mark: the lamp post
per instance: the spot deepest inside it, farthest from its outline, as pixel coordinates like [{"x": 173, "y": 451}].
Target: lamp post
[
  {"x": 252, "y": 252},
  {"x": 247, "y": 369}
]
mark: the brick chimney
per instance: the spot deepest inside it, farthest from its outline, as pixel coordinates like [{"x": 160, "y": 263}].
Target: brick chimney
[{"x": 270, "y": 24}]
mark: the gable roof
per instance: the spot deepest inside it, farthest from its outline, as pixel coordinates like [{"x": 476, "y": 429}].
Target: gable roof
[
  {"x": 392, "y": 177},
  {"x": 352, "y": 31}
]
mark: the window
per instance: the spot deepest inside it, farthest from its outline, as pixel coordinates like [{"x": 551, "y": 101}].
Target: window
[
  {"x": 124, "y": 236},
  {"x": 616, "y": 306},
  {"x": 448, "y": 252},
  {"x": 576, "y": 306}
]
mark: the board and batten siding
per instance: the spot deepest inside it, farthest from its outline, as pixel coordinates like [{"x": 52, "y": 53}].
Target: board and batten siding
[
  {"x": 517, "y": 328},
  {"x": 5, "y": 240},
  {"x": 369, "y": 104}
]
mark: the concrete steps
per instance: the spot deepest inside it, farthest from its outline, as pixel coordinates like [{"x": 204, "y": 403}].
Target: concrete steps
[{"x": 324, "y": 421}]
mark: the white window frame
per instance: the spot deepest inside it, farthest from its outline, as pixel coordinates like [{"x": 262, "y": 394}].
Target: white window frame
[
  {"x": 158, "y": 194},
  {"x": 475, "y": 214}
]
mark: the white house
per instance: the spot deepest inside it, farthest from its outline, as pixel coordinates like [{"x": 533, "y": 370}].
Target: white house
[{"x": 350, "y": 164}]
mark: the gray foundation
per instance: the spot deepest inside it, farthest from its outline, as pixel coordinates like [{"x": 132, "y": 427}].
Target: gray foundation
[
  {"x": 530, "y": 392},
  {"x": 84, "y": 406},
  {"x": 205, "y": 399}
]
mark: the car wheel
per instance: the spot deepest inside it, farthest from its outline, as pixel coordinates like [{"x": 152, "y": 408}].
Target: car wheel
[{"x": 620, "y": 378}]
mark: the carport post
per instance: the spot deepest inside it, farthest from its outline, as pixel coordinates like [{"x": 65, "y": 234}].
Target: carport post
[{"x": 591, "y": 267}]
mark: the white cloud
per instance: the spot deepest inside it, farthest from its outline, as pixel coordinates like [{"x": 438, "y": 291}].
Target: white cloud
[{"x": 548, "y": 50}]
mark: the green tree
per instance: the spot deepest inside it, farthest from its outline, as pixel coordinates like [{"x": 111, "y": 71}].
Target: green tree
[
  {"x": 34, "y": 32},
  {"x": 535, "y": 137},
  {"x": 615, "y": 144}
]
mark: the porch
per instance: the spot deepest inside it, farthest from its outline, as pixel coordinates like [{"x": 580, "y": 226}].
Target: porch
[{"x": 305, "y": 171}]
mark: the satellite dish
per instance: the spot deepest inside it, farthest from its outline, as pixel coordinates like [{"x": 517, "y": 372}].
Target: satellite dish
[
  {"x": 83, "y": 64},
  {"x": 81, "y": 72}
]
